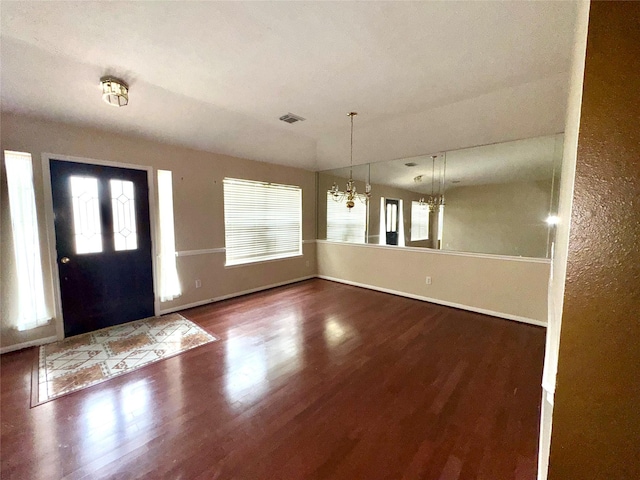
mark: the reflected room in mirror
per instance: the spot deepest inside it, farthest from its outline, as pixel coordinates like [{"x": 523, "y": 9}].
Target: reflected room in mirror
[{"x": 493, "y": 199}]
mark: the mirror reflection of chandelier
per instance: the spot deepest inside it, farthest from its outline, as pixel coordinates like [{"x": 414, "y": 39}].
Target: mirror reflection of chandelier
[
  {"x": 436, "y": 199},
  {"x": 350, "y": 194}
]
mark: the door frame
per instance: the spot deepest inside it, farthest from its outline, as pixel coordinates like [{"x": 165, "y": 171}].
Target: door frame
[{"x": 51, "y": 233}]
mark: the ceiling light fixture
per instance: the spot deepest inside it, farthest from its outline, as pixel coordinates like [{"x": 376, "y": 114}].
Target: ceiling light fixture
[
  {"x": 350, "y": 193},
  {"x": 114, "y": 91}
]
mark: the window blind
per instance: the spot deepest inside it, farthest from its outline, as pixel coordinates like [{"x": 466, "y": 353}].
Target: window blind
[
  {"x": 262, "y": 221},
  {"x": 346, "y": 224},
  {"x": 419, "y": 221}
]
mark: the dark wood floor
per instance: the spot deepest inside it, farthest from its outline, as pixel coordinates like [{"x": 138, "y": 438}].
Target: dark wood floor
[{"x": 316, "y": 380}]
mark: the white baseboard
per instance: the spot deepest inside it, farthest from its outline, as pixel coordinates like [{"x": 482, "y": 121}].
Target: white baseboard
[
  {"x": 232, "y": 295},
  {"x": 31, "y": 343},
  {"x": 43, "y": 341},
  {"x": 484, "y": 311}
]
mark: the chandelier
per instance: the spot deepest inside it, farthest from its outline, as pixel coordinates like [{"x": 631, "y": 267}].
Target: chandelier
[
  {"x": 350, "y": 194},
  {"x": 436, "y": 199}
]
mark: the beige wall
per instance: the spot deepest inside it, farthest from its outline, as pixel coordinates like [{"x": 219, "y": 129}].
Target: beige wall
[
  {"x": 511, "y": 288},
  {"x": 502, "y": 219},
  {"x": 198, "y": 204},
  {"x": 596, "y": 416}
]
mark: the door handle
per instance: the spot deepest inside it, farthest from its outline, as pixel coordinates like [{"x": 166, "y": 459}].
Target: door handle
[{"x": 65, "y": 260}]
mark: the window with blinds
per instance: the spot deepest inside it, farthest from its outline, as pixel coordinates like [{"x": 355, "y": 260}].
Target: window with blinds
[
  {"x": 262, "y": 221},
  {"x": 346, "y": 224},
  {"x": 419, "y": 221}
]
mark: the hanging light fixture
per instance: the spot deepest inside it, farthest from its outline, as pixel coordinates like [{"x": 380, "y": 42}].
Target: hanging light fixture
[
  {"x": 436, "y": 199},
  {"x": 114, "y": 91},
  {"x": 350, "y": 193}
]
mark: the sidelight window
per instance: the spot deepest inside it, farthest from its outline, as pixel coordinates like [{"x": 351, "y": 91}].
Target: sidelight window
[
  {"x": 169, "y": 280},
  {"x": 32, "y": 311}
]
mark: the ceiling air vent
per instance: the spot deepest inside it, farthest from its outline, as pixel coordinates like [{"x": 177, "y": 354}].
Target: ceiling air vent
[
  {"x": 411, "y": 164},
  {"x": 292, "y": 118}
]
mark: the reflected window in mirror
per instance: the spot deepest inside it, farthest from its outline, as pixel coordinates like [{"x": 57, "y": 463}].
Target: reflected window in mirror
[
  {"x": 419, "y": 221},
  {"x": 346, "y": 224}
]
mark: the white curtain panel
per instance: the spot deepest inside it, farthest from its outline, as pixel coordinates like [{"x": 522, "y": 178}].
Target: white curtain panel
[
  {"x": 169, "y": 280},
  {"x": 32, "y": 310}
]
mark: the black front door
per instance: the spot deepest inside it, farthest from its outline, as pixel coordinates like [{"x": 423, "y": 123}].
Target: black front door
[{"x": 103, "y": 244}]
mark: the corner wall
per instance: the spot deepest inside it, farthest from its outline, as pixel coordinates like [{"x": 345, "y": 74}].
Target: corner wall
[
  {"x": 198, "y": 209},
  {"x": 561, "y": 245},
  {"x": 596, "y": 417}
]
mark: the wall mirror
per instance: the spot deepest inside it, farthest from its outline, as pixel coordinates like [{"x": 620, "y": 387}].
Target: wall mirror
[{"x": 494, "y": 199}]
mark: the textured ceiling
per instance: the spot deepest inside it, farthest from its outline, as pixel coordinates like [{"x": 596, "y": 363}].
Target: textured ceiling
[{"x": 216, "y": 76}]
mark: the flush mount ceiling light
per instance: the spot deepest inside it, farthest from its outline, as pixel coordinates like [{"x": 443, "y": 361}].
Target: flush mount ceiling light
[
  {"x": 350, "y": 194},
  {"x": 114, "y": 91}
]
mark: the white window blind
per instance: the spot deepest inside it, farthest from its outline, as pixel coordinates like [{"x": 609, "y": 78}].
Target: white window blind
[
  {"x": 262, "y": 221},
  {"x": 32, "y": 310},
  {"x": 346, "y": 224},
  {"x": 169, "y": 280},
  {"x": 419, "y": 221}
]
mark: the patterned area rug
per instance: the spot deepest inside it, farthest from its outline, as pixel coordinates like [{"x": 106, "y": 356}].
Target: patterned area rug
[{"x": 92, "y": 358}]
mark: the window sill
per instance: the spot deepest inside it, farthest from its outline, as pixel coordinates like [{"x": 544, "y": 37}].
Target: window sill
[
  {"x": 33, "y": 326},
  {"x": 257, "y": 262}
]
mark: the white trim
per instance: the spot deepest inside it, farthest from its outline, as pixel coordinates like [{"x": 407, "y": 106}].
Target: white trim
[
  {"x": 51, "y": 233},
  {"x": 232, "y": 295},
  {"x": 484, "y": 311},
  {"x": 44, "y": 323},
  {"x": 258, "y": 262},
  {"x": 204, "y": 251},
  {"x": 31, "y": 343},
  {"x": 51, "y": 243},
  {"x": 93, "y": 161},
  {"x": 546, "y": 261},
  {"x": 153, "y": 222}
]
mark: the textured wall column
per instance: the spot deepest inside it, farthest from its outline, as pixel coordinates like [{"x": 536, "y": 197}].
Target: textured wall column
[{"x": 596, "y": 419}]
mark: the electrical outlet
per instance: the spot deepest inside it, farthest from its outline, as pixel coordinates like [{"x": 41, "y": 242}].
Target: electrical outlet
[
  {"x": 198, "y": 283},
  {"x": 428, "y": 281}
]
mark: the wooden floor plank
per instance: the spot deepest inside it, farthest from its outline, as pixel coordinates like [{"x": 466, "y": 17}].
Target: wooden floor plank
[{"x": 315, "y": 380}]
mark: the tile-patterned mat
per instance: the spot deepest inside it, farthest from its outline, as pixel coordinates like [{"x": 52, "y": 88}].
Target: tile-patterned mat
[{"x": 79, "y": 362}]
